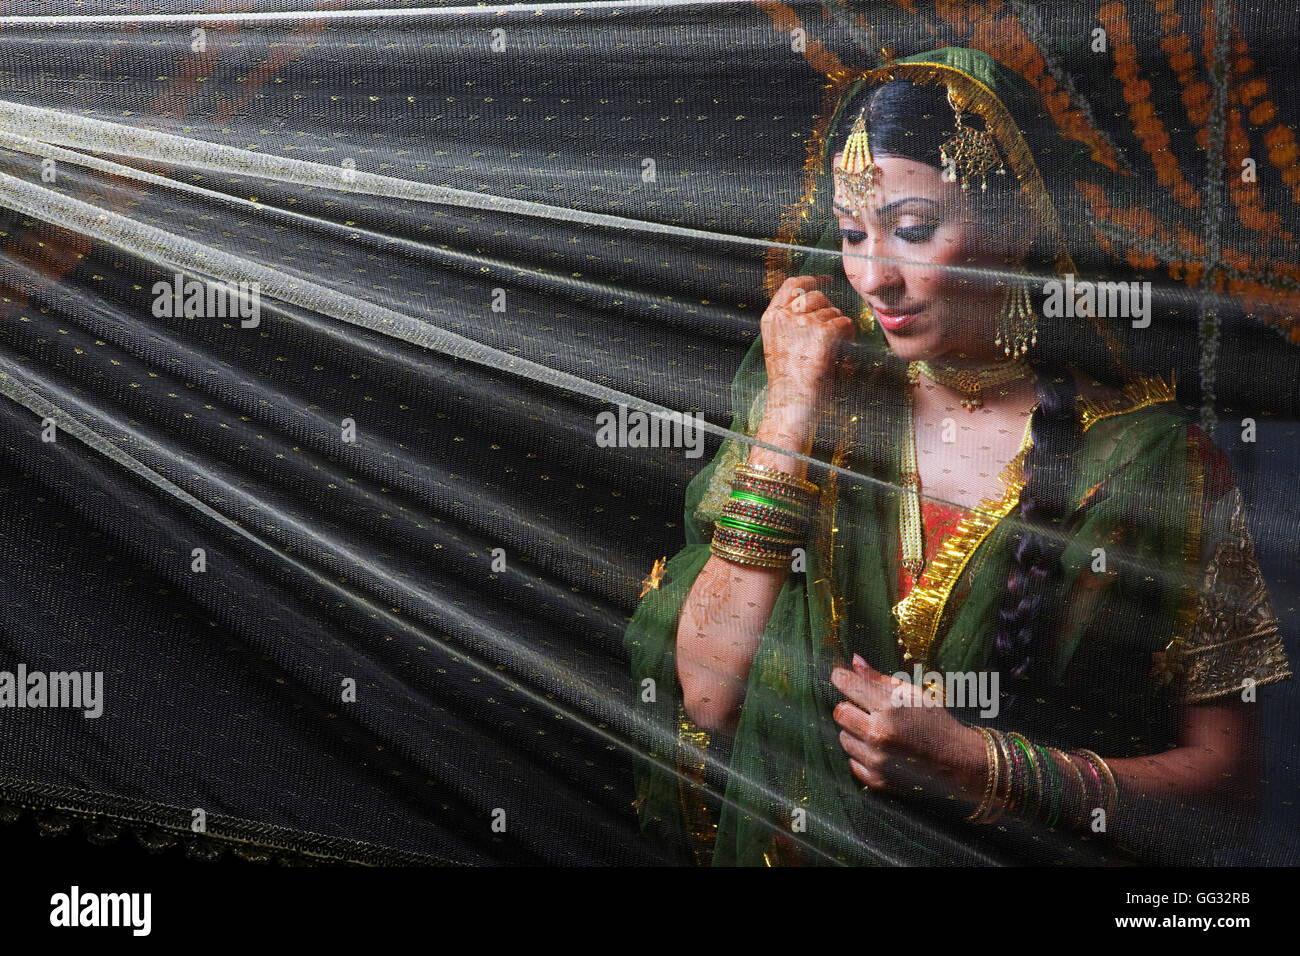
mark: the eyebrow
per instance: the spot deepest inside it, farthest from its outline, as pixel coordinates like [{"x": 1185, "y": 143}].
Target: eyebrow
[{"x": 885, "y": 210}]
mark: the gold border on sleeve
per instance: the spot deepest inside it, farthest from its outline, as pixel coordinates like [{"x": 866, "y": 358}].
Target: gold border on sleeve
[
  {"x": 701, "y": 828},
  {"x": 1139, "y": 392}
]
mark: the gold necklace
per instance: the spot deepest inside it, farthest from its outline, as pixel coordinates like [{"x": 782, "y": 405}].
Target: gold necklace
[
  {"x": 909, "y": 515},
  {"x": 970, "y": 382},
  {"x": 910, "y": 528}
]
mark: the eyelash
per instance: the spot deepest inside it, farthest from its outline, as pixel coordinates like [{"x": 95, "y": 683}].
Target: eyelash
[{"x": 906, "y": 233}]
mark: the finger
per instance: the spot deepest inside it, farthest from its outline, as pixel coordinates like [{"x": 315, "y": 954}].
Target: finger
[
  {"x": 886, "y": 681},
  {"x": 870, "y": 779},
  {"x": 868, "y": 694},
  {"x": 824, "y": 314},
  {"x": 861, "y": 667},
  {"x": 858, "y": 749},
  {"x": 797, "y": 285},
  {"x": 853, "y": 719},
  {"x": 810, "y": 300},
  {"x": 836, "y": 319},
  {"x": 865, "y": 776}
]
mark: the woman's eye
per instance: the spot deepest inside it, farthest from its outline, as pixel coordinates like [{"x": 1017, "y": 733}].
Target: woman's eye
[
  {"x": 916, "y": 233},
  {"x": 852, "y": 236}
]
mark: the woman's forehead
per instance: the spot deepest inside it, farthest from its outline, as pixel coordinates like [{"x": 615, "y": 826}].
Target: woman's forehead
[{"x": 898, "y": 179}]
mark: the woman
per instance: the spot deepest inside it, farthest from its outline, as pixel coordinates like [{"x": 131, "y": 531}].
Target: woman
[{"x": 1030, "y": 534}]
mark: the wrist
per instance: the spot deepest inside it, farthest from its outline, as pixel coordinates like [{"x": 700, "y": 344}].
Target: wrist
[
  {"x": 792, "y": 429},
  {"x": 793, "y": 404},
  {"x": 971, "y": 769}
]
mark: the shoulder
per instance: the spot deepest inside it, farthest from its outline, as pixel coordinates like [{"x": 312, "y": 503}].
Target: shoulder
[
  {"x": 1147, "y": 406},
  {"x": 1143, "y": 397},
  {"x": 1209, "y": 466},
  {"x": 1130, "y": 433}
]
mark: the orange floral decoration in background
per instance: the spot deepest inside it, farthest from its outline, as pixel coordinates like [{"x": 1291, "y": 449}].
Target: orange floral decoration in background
[{"x": 1268, "y": 285}]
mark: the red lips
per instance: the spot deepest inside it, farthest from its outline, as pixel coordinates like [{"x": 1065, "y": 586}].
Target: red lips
[{"x": 895, "y": 320}]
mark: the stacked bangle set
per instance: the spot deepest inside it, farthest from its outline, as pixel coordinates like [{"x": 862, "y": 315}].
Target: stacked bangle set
[
  {"x": 766, "y": 517},
  {"x": 1027, "y": 781}
]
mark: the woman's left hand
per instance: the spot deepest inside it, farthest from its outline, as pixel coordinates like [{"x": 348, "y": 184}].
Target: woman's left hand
[{"x": 900, "y": 739}]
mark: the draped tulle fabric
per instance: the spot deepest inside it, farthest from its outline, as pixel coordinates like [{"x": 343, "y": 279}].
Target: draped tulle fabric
[{"x": 343, "y": 531}]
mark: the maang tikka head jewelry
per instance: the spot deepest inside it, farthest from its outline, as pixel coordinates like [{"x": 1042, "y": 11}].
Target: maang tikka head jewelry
[
  {"x": 968, "y": 152},
  {"x": 857, "y": 173}
]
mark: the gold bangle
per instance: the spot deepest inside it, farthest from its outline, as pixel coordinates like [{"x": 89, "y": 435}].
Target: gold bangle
[
  {"x": 739, "y": 538},
  {"x": 1003, "y": 803},
  {"x": 742, "y": 557},
  {"x": 763, "y": 472},
  {"x": 1034, "y": 783},
  {"x": 783, "y": 524},
  {"x": 1082, "y": 820},
  {"x": 1112, "y": 798},
  {"x": 764, "y": 513},
  {"x": 990, "y": 776}
]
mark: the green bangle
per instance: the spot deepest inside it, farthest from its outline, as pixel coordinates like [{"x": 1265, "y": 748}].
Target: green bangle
[
  {"x": 753, "y": 527},
  {"x": 1055, "y": 815},
  {"x": 1035, "y": 788}
]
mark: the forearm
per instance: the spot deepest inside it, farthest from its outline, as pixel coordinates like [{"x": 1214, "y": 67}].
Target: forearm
[
  {"x": 719, "y": 631},
  {"x": 1172, "y": 797},
  {"x": 1203, "y": 791},
  {"x": 1194, "y": 795},
  {"x": 728, "y": 609}
]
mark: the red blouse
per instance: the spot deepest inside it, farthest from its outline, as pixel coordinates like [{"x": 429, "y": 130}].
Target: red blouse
[{"x": 938, "y": 522}]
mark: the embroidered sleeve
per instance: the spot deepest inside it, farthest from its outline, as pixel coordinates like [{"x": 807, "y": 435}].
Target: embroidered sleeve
[{"x": 1234, "y": 635}]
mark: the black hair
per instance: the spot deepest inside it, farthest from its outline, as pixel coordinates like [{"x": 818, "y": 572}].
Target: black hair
[{"x": 912, "y": 121}]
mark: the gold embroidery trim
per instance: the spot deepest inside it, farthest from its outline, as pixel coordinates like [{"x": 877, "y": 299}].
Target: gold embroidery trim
[
  {"x": 715, "y": 496},
  {"x": 1139, "y": 392},
  {"x": 780, "y": 254},
  {"x": 827, "y": 529},
  {"x": 1235, "y": 635},
  {"x": 692, "y": 744},
  {"x": 920, "y": 613}
]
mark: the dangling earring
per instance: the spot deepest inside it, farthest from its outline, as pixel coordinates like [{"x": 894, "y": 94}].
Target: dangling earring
[
  {"x": 867, "y": 319},
  {"x": 1019, "y": 321}
]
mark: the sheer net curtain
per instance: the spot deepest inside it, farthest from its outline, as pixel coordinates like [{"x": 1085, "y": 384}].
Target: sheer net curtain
[{"x": 343, "y": 538}]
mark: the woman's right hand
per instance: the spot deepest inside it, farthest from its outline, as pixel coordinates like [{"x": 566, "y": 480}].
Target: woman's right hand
[{"x": 802, "y": 334}]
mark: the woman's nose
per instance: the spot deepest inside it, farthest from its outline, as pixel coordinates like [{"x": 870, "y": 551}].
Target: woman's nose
[{"x": 877, "y": 273}]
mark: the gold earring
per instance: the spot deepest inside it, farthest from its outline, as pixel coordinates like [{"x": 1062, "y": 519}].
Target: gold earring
[
  {"x": 1018, "y": 330},
  {"x": 867, "y": 319}
]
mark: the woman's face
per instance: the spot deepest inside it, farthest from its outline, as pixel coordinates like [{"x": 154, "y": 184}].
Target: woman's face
[{"x": 922, "y": 224}]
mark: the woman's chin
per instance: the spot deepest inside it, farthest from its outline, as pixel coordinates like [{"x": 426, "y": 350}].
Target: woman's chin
[
  {"x": 913, "y": 348},
  {"x": 927, "y": 348}
]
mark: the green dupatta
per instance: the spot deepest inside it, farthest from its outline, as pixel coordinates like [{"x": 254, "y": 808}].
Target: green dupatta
[
  {"x": 786, "y": 755},
  {"x": 788, "y": 795}
]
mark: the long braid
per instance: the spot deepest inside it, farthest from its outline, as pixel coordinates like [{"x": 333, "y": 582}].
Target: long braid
[{"x": 1030, "y": 605}]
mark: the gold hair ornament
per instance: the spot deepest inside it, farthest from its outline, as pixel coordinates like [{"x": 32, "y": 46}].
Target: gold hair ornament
[
  {"x": 857, "y": 173},
  {"x": 968, "y": 152}
]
